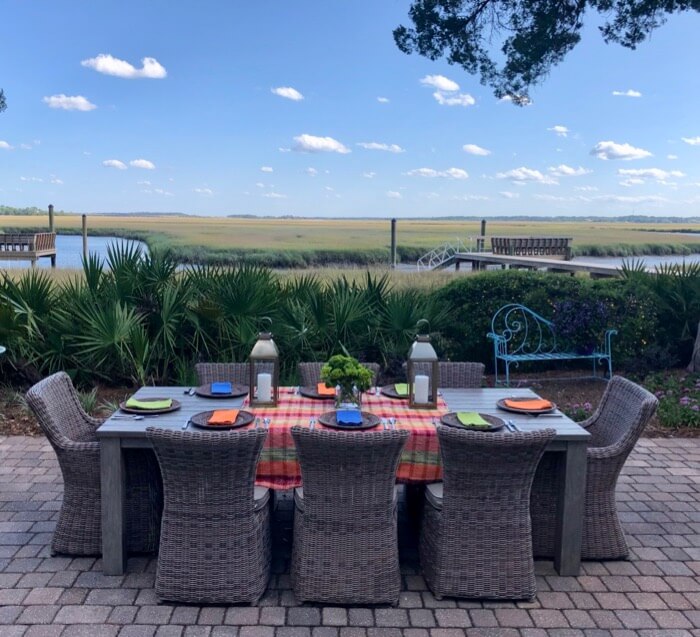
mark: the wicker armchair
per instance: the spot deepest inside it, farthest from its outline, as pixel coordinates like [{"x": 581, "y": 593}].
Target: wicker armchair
[
  {"x": 310, "y": 373},
  {"x": 459, "y": 375},
  {"x": 234, "y": 373},
  {"x": 71, "y": 433},
  {"x": 615, "y": 427},
  {"x": 215, "y": 538},
  {"x": 345, "y": 537},
  {"x": 476, "y": 537}
]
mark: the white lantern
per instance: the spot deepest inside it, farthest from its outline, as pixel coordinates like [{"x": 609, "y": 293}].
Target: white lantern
[
  {"x": 423, "y": 372},
  {"x": 264, "y": 363}
]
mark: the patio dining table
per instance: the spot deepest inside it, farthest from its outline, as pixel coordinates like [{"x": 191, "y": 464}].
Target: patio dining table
[{"x": 279, "y": 467}]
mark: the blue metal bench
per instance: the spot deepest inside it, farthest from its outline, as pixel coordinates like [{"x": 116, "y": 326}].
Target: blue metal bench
[{"x": 520, "y": 335}]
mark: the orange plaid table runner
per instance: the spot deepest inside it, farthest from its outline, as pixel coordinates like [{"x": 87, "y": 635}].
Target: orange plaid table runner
[{"x": 279, "y": 468}]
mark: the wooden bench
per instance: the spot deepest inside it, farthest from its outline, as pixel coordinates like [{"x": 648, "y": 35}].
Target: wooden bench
[
  {"x": 520, "y": 335},
  {"x": 550, "y": 247},
  {"x": 28, "y": 247}
]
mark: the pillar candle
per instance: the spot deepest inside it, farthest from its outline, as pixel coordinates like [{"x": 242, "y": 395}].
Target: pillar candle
[
  {"x": 420, "y": 389},
  {"x": 265, "y": 387}
]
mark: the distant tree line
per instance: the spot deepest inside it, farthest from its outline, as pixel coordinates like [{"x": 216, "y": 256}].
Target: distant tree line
[{"x": 33, "y": 210}]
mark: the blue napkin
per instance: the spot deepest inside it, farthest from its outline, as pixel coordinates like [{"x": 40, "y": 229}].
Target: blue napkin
[
  {"x": 221, "y": 388},
  {"x": 348, "y": 417}
]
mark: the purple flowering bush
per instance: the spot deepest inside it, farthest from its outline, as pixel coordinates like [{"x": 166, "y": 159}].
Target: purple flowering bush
[
  {"x": 579, "y": 324},
  {"x": 679, "y": 399},
  {"x": 578, "y": 412}
]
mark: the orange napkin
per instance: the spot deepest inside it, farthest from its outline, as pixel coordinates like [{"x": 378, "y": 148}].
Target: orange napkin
[
  {"x": 529, "y": 405},
  {"x": 223, "y": 417},
  {"x": 322, "y": 390}
]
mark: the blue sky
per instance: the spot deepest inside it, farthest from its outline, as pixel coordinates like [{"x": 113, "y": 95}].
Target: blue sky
[{"x": 209, "y": 126}]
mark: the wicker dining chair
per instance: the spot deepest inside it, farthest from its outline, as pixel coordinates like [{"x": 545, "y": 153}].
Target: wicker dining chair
[
  {"x": 310, "y": 373},
  {"x": 215, "y": 537},
  {"x": 615, "y": 427},
  {"x": 71, "y": 433},
  {"x": 234, "y": 373},
  {"x": 457, "y": 374},
  {"x": 345, "y": 547},
  {"x": 476, "y": 537}
]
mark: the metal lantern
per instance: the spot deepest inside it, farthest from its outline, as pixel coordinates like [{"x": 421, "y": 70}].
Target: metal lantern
[
  {"x": 423, "y": 372},
  {"x": 264, "y": 364}
]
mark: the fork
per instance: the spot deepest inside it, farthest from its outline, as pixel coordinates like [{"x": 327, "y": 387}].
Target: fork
[
  {"x": 383, "y": 421},
  {"x": 266, "y": 422},
  {"x": 392, "y": 422},
  {"x": 312, "y": 424}
]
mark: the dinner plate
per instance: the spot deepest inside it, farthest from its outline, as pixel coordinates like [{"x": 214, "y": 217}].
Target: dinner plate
[
  {"x": 135, "y": 410},
  {"x": 236, "y": 391},
  {"x": 501, "y": 404},
  {"x": 201, "y": 420},
  {"x": 390, "y": 391},
  {"x": 312, "y": 392},
  {"x": 452, "y": 420},
  {"x": 368, "y": 421}
]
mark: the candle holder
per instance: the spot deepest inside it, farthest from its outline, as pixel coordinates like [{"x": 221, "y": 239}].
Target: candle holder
[
  {"x": 423, "y": 372},
  {"x": 264, "y": 362}
]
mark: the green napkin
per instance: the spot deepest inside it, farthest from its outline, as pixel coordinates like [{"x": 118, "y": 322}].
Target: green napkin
[
  {"x": 162, "y": 403},
  {"x": 472, "y": 419},
  {"x": 401, "y": 389}
]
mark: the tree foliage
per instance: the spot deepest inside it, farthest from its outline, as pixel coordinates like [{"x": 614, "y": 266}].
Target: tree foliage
[
  {"x": 533, "y": 35},
  {"x": 3, "y": 102}
]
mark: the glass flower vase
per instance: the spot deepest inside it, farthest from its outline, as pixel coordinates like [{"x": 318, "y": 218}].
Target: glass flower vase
[{"x": 348, "y": 397}]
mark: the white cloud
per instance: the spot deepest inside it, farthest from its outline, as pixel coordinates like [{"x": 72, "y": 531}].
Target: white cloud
[
  {"x": 509, "y": 195},
  {"x": 259, "y": 184},
  {"x": 312, "y": 172},
  {"x": 586, "y": 188},
  {"x": 612, "y": 150},
  {"x": 672, "y": 157},
  {"x": 470, "y": 198},
  {"x": 4, "y": 145},
  {"x": 142, "y": 163},
  {"x": 206, "y": 192},
  {"x": 559, "y": 130},
  {"x": 552, "y": 198},
  {"x": 69, "y": 102},
  {"x": 282, "y": 149},
  {"x": 160, "y": 191},
  {"x": 114, "y": 163},
  {"x": 311, "y": 144},
  {"x": 473, "y": 149},
  {"x": 390, "y": 148},
  {"x": 56, "y": 180},
  {"x": 567, "y": 171},
  {"x": 288, "y": 92},
  {"x": 144, "y": 182},
  {"x": 37, "y": 180},
  {"x": 109, "y": 65},
  {"x": 523, "y": 175},
  {"x": 440, "y": 82},
  {"x": 517, "y": 99},
  {"x": 628, "y": 93},
  {"x": 634, "y": 181},
  {"x": 267, "y": 169},
  {"x": 369, "y": 175},
  {"x": 653, "y": 199},
  {"x": 453, "y": 173},
  {"x": 383, "y": 100},
  {"x": 393, "y": 194},
  {"x": 693, "y": 141},
  {"x": 656, "y": 174},
  {"x": 452, "y": 99},
  {"x": 274, "y": 195}
]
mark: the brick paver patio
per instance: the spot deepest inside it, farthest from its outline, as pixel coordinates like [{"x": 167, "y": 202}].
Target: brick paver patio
[{"x": 656, "y": 593}]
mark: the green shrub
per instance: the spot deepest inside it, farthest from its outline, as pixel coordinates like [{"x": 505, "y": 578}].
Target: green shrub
[{"x": 679, "y": 399}]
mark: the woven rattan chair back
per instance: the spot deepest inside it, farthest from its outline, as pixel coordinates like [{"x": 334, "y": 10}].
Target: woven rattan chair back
[
  {"x": 235, "y": 373},
  {"x": 215, "y": 545},
  {"x": 458, "y": 375},
  {"x": 478, "y": 545},
  {"x": 310, "y": 373},
  {"x": 345, "y": 540}
]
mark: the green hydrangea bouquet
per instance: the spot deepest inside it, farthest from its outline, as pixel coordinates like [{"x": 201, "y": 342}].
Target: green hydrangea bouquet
[{"x": 349, "y": 375}]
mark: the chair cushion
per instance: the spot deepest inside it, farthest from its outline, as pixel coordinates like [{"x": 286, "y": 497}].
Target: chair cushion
[
  {"x": 261, "y": 496},
  {"x": 433, "y": 494},
  {"x": 299, "y": 496}
]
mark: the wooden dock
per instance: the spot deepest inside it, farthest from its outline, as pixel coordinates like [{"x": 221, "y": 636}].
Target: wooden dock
[
  {"x": 28, "y": 247},
  {"x": 479, "y": 260}
]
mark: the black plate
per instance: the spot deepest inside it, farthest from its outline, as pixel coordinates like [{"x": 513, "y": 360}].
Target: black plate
[
  {"x": 312, "y": 392},
  {"x": 236, "y": 391},
  {"x": 452, "y": 421},
  {"x": 135, "y": 410},
  {"x": 501, "y": 404},
  {"x": 368, "y": 421},
  {"x": 390, "y": 391},
  {"x": 201, "y": 420}
]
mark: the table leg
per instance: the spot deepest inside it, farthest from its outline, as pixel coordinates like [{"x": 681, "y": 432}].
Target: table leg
[
  {"x": 570, "y": 503},
  {"x": 113, "y": 523}
]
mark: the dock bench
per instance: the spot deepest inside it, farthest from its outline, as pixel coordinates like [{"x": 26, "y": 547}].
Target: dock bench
[
  {"x": 520, "y": 335},
  {"x": 551, "y": 247},
  {"x": 28, "y": 247}
]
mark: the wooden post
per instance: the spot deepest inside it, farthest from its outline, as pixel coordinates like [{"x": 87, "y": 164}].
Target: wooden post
[
  {"x": 482, "y": 235},
  {"x": 85, "y": 245},
  {"x": 51, "y": 226},
  {"x": 393, "y": 243}
]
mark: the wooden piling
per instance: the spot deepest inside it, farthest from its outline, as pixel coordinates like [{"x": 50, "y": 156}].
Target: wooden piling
[
  {"x": 51, "y": 226},
  {"x": 85, "y": 243},
  {"x": 393, "y": 243}
]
